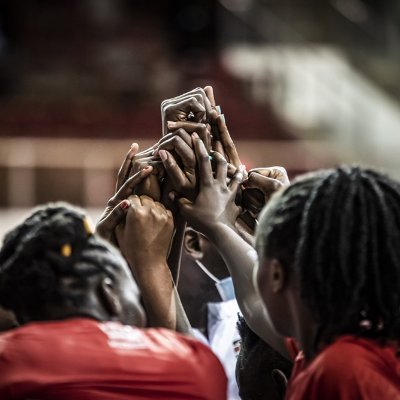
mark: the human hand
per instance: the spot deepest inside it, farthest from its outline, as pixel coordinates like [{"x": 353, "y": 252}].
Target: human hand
[
  {"x": 260, "y": 185},
  {"x": 223, "y": 144},
  {"x": 178, "y": 157},
  {"x": 145, "y": 237},
  {"x": 215, "y": 202},
  {"x": 192, "y": 106},
  {"x": 117, "y": 206}
]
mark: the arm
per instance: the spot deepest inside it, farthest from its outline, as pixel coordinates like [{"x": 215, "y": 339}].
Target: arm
[
  {"x": 217, "y": 223},
  {"x": 145, "y": 240}
]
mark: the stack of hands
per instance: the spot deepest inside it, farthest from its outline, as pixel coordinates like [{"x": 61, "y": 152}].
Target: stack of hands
[{"x": 193, "y": 175}]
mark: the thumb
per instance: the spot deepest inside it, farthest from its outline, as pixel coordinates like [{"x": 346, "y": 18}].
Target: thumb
[
  {"x": 106, "y": 227},
  {"x": 265, "y": 184}
]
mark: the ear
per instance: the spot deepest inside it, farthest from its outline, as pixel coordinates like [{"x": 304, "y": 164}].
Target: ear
[
  {"x": 278, "y": 275},
  {"x": 109, "y": 297},
  {"x": 193, "y": 244}
]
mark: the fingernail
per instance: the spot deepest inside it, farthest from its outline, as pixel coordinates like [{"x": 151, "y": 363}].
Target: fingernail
[
  {"x": 125, "y": 204},
  {"x": 134, "y": 145},
  {"x": 147, "y": 167},
  {"x": 171, "y": 124},
  {"x": 163, "y": 155},
  {"x": 219, "y": 109},
  {"x": 195, "y": 135},
  {"x": 222, "y": 117}
]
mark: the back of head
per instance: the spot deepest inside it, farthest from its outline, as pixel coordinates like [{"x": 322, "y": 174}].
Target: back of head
[
  {"x": 47, "y": 262},
  {"x": 339, "y": 231},
  {"x": 257, "y": 367}
]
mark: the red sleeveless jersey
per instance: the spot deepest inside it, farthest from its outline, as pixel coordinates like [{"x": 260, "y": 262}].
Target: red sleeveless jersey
[{"x": 82, "y": 359}]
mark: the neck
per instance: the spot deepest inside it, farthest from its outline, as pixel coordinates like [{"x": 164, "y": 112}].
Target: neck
[{"x": 305, "y": 327}]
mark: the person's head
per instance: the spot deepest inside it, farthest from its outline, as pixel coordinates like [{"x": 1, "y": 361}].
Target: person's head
[
  {"x": 261, "y": 372},
  {"x": 200, "y": 249},
  {"x": 195, "y": 287},
  {"x": 331, "y": 241},
  {"x": 52, "y": 266}
]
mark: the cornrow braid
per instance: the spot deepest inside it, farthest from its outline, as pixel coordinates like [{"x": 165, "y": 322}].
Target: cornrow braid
[
  {"x": 52, "y": 244},
  {"x": 339, "y": 230}
]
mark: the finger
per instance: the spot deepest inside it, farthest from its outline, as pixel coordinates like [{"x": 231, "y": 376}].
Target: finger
[
  {"x": 263, "y": 183},
  {"x": 127, "y": 188},
  {"x": 180, "y": 111},
  {"x": 174, "y": 172},
  {"x": 236, "y": 180},
  {"x": 222, "y": 167},
  {"x": 134, "y": 201},
  {"x": 125, "y": 169},
  {"x": 215, "y": 110},
  {"x": 182, "y": 133},
  {"x": 146, "y": 201},
  {"x": 198, "y": 93},
  {"x": 188, "y": 126},
  {"x": 107, "y": 225},
  {"x": 203, "y": 161},
  {"x": 184, "y": 151},
  {"x": 152, "y": 161},
  {"x": 227, "y": 142},
  {"x": 276, "y": 172},
  {"x": 201, "y": 129},
  {"x": 181, "y": 97},
  {"x": 209, "y": 91},
  {"x": 217, "y": 146}
]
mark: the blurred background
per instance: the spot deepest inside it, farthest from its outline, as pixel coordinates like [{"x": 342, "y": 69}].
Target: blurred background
[{"x": 303, "y": 83}]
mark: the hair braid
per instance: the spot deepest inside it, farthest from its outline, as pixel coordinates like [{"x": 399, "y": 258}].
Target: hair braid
[
  {"x": 32, "y": 263},
  {"x": 339, "y": 230}
]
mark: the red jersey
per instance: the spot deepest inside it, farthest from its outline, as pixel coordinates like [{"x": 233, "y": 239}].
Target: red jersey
[
  {"x": 82, "y": 359},
  {"x": 349, "y": 369}
]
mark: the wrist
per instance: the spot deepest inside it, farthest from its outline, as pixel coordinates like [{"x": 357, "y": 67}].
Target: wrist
[
  {"x": 214, "y": 231},
  {"x": 147, "y": 265}
]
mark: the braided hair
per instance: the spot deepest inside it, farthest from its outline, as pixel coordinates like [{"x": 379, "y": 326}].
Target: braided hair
[
  {"x": 48, "y": 260},
  {"x": 339, "y": 230}
]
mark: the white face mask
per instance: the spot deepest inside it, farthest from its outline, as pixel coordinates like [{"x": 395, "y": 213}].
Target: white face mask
[{"x": 224, "y": 286}]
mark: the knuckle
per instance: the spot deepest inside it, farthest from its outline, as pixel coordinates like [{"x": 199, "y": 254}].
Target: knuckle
[{"x": 204, "y": 158}]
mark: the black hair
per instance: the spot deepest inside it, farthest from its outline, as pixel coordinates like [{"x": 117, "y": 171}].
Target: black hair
[
  {"x": 256, "y": 366},
  {"x": 339, "y": 230},
  {"x": 48, "y": 260}
]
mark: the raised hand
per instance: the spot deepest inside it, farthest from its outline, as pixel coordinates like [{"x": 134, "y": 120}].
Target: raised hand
[
  {"x": 215, "y": 202},
  {"x": 191, "y": 106},
  {"x": 223, "y": 144},
  {"x": 117, "y": 206},
  {"x": 260, "y": 185},
  {"x": 145, "y": 237}
]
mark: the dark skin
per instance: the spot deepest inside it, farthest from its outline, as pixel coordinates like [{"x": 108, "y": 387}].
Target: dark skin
[
  {"x": 196, "y": 289},
  {"x": 143, "y": 229},
  {"x": 111, "y": 297},
  {"x": 280, "y": 291},
  {"x": 217, "y": 223},
  {"x": 198, "y": 105}
]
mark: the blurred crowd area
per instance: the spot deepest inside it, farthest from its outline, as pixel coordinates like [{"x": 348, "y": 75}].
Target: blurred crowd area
[{"x": 302, "y": 83}]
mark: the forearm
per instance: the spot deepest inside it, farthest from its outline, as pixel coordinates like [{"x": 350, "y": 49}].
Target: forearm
[
  {"x": 161, "y": 300},
  {"x": 174, "y": 259},
  {"x": 241, "y": 259},
  {"x": 158, "y": 295}
]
